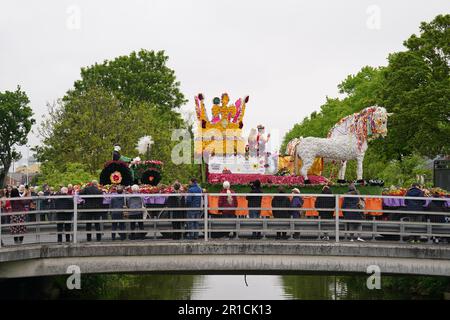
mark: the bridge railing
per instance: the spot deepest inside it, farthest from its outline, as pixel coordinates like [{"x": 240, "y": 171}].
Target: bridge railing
[{"x": 80, "y": 218}]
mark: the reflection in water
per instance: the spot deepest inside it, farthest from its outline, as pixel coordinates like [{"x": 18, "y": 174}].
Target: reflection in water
[
  {"x": 228, "y": 287},
  {"x": 224, "y": 287}
]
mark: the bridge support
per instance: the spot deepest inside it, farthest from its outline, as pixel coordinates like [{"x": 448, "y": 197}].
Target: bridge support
[{"x": 224, "y": 257}]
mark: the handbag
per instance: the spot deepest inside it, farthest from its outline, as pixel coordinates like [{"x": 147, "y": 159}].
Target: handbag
[
  {"x": 361, "y": 204},
  {"x": 146, "y": 213},
  {"x": 32, "y": 205}
]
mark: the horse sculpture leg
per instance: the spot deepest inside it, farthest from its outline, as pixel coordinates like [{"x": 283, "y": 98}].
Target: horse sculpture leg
[
  {"x": 342, "y": 169},
  {"x": 306, "y": 164},
  {"x": 359, "y": 169}
]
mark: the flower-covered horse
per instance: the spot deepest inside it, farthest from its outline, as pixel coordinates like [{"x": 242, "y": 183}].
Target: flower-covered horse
[{"x": 347, "y": 140}]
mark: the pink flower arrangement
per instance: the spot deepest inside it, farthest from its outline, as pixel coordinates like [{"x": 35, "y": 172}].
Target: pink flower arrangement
[{"x": 270, "y": 179}]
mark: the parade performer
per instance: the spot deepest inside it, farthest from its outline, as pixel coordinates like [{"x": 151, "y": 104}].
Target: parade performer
[
  {"x": 252, "y": 142},
  {"x": 261, "y": 141},
  {"x": 117, "y": 156}
]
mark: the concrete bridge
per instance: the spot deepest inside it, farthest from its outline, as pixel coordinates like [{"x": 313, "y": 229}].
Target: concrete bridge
[{"x": 224, "y": 256}]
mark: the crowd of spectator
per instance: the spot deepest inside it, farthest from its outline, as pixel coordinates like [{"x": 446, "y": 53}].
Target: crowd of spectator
[{"x": 131, "y": 210}]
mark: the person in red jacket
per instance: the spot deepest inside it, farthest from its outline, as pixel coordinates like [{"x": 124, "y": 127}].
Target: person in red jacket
[{"x": 228, "y": 202}]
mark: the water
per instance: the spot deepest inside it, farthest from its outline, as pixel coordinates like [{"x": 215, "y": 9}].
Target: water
[{"x": 225, "y": 287}]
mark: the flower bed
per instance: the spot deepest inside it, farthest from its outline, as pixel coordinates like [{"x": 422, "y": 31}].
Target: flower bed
[
  {"x": 143, "y": 188},
  {"x": 393, "y": 191},
  {"x": 214, "y": 178}
]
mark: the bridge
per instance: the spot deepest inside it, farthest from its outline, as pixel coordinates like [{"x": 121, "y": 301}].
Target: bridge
[
  {"x": 225, "y": 257},
  {"x": 225, "y": 244}
]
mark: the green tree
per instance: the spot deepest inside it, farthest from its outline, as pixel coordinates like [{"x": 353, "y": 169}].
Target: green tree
[
  {"x": 417, "y": 90},
  {"x": 74, "y": 173},
  {"x": 139, "y": 77},
  {"x": 360, "y": 91},
  {"x": 415, "y": 86},
  {"x": 15, "y": 124},
  {"x": 84, "y": 129}
]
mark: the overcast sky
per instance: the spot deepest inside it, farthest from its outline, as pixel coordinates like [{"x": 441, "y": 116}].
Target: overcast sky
[{"x": 287, "y": 55}]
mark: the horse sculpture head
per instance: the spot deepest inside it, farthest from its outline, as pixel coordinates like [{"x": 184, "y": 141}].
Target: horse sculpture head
[
  {"x": 368, "y": 124},
  {"x": 378, "y": 122}
]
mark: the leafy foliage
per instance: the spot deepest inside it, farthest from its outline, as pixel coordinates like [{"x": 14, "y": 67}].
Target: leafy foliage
[
  {"x": 15, "y": 124},
  {"x": 361, "y": 91},
  {"x": 417, "y": 89},
  {"x": 74, "y": 173},
  {"x": 84, "y": 129},
  {"x": 139, "y": 77},
  {"x": 415, "y": 86}
]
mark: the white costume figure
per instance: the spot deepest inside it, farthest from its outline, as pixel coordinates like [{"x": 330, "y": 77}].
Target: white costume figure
[
  {"x": 271, "y": 162},
  {"x": 347, "y": 140},
  {"x": 261, "y": 140},
  {"x": 252, "y": 142},
  {"x": 143, "y": 147}
]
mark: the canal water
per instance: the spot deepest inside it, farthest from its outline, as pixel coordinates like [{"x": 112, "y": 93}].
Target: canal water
[{"x": 224, "y": 287}]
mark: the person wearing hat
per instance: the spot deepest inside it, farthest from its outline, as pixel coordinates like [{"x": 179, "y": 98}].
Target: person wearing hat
[
  {"x": 261, "y": 140},
  {"x": 296, "y": 203},
  {"x": 117, "y": 156},
  {"x": 228, "y": 203}
]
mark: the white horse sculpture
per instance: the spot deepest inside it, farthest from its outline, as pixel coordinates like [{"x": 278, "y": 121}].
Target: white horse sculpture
[{"x": 347, "y": 140}]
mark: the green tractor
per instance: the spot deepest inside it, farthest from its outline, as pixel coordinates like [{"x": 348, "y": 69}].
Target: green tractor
[{"x": 126, "y": 171}]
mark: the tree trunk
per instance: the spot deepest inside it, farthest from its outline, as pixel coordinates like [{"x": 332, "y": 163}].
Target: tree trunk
[{"x": 4, "y": 173}]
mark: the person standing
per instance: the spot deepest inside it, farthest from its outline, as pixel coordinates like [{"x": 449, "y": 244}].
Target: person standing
[
  {"x": 18, "y": 219},
  {"x": 5, "y": 207},
  {"x": 32, "y": 203},
  {"x": 70, "y": 190},
  {"x": 353, "y": 203},
  {"x": 278, "y": 203},
  {"x": 325, "y": 203},
  {"x": 194, "y": 202},
  {"x": 414, "y": 205},
  {"x": 436, "y": 206},
  {"x": 176, "y": 201},
  {"x": 229, "y": 203},
  {"x": 64, "y": 218},
  {"x": 296, "y": 204},
  {"x": 255, "y": 203},
  {"x": 118, "y": 205},
  {"x": 94, "y": 203},
  {"x": 135, "y": 203}
]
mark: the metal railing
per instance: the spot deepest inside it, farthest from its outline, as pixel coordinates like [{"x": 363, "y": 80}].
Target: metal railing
[{"x": 72, "y": 218}]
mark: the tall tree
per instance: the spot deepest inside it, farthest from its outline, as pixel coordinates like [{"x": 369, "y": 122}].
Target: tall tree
[
  {"x": 360, "y": 91},
  {"x": 417, "y": 90},
  {"x": 82, "y": 129},
  {"x": 139, "y": 77},
  {"x": 15, "y": 124},
  {"x": 85, "y": 128}
]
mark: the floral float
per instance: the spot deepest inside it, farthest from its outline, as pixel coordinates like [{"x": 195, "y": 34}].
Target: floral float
[
  {"x": 428, "y": 192},
  {"x": 126, "y": 171},
  {"x": 347, "y": 140}
]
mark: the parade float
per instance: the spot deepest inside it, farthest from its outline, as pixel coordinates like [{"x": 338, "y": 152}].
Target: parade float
[
  {"x": 226, "y": 155},
  {"x": 347, "y": 140},
  {"x": 122, "y": 170}
]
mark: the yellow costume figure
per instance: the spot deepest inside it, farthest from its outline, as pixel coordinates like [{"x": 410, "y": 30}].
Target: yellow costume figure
[
  {"x": 223, "y": 134},
  {"x": 287, "y": 162}
]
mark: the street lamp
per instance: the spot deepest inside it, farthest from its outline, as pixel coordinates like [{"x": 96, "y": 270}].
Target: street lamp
[{"x": 28, "y": 157}]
